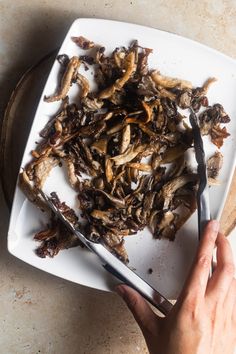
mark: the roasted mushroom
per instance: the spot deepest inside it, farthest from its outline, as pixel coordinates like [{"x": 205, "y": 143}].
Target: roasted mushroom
[
  {"x": 214, "y": 164},
  {"x": 210, "y": 123},
  {"x": 66, "y": 81},
  {"x": 129, "y": 137},
  {"x": 82, "y": 42}
]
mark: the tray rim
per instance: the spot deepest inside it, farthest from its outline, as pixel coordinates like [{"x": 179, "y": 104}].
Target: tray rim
[{"x": 4, "y": 131}]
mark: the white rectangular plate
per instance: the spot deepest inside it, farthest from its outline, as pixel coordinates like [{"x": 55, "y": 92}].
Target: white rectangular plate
[{"x": 170, "y": 261}]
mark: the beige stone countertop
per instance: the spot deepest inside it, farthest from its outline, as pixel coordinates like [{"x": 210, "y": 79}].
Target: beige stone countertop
[{"x": 40, "y": 313}]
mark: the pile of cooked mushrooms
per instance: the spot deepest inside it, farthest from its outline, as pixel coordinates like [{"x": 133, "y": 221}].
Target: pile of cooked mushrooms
[{"x": 124, "y": 148}]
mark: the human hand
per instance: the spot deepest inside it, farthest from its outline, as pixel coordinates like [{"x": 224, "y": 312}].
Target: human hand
[{"x": 203, "y": 320}]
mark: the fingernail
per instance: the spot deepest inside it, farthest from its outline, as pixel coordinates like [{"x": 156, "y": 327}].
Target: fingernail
[
  {"x": 120, "y": 291},
  {"x": 215, "y": 225}
]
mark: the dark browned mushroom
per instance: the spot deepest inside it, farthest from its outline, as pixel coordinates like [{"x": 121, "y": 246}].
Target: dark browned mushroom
[{"x": 129, "y": 137}]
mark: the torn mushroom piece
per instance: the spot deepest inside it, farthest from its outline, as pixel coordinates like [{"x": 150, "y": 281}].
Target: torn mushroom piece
[
  {"x": 195, "y": 97},
  {"x": 100, "y": 146},
  {"x": 185, "y": 98},
  {"x": 31, "y": 191},
  {"x": 207, "y": 85},
  {"x": 218, "y": 135},
  {"x": 120, "y": 251},
  {"x": 108, "y": 169},
  {"x": 82, "y": 42},
  {"x": 42, "y": 170},
  {"x": 210, "y": 123},
  {"x": 199, "y": 98},
  {"x": 170, "y": 82},
  {"x": 173, "y": 153},
  {"x": 73, "y": 178},
  {"x": 165, "y": 226},
  {"x": 214, "y": 164},
  {"x": 116, "y": 202},
  {"x": 128, "y": 156},
  {"x": 125, "y": 140},
  {"x": 168, "y": 190},
  {"x": 66, "y": 81},
  {"x": 57, "y": 236},
  {"x": 140, "y": 166},
  {"x": 129, "y": 69},
  {"x": 82, "y": 81}
]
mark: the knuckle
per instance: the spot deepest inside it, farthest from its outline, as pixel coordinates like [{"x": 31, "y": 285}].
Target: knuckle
[
  {"x": 190, "y": 311},
  {"x": 204, "y": 261},
  {"x": 190, "y": 303},
  {"x": 211, "y": 238},
  {"x": 132, "y": 302},
  {"x": 228, "y": 268},
  {"x": 220, "y": 295},
  {"x": 223, "y": 242}
]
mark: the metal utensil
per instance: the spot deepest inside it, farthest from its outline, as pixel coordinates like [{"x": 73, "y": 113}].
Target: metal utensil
[
  {"x": 203, "y": 203},
  {"x": 115, "y": 266}
]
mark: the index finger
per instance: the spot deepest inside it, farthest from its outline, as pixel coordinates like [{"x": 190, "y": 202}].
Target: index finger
[{"x": 196, "y": 282}]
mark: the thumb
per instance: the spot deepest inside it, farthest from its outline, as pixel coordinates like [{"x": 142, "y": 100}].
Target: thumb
[{"x": 143, "y": 314}]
